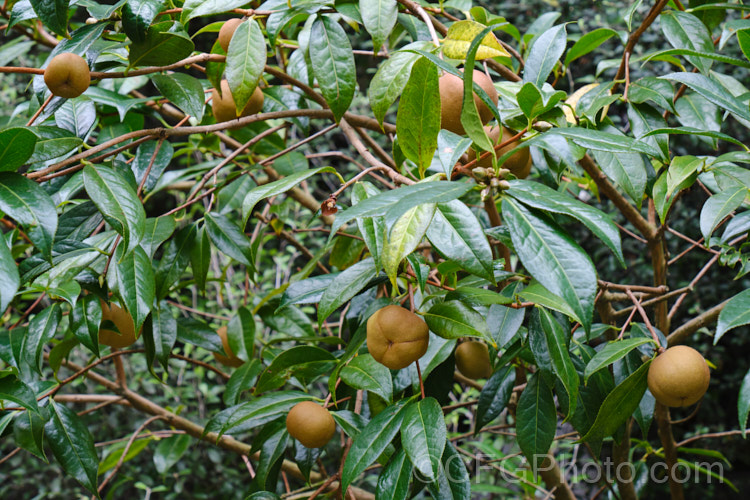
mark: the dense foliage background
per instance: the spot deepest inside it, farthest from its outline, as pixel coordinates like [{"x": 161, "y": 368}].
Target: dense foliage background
[{"x": 134, "y": 194}]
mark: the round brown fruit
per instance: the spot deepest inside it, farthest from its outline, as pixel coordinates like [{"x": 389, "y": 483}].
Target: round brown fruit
[
  {"x": 310, "y": 424},
  {"x": 125, "y": 336},
  {"x": 396, "y": 337},
  {"x": 230, "y": 359},
  {"x": 451, "y": 100},
  {"x": 226, "y": 32},
  {"x": 473, "y": 360},
  {"x": 224, "y": 108},
  {"x": 67, "y": 75},
  {"x": 519, "y": 163},
  {"x": 679, "y": 376}
]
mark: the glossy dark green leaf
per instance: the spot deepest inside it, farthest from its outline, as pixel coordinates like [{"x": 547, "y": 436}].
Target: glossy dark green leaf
[
  {"x": 423, "y": 436},
  {"x": 196, "y": 332},
  {"x": 242, "y": 379},
  {"x": 85, "y": 318},
  {"x": 588, "y": 43},
  {"x": 364, "y": 373},
  {"x": 28, "y": 433},
  {"x": 170, "y": 450},
  {"x": 611, "y": 352},
  {"x": 77, "y": 116},
  {"x": 229, "y": 239},
  {"x": 333, "y": 64},
  {"x": 644, "y": 119},
  {"x": 23, "y": 200},
  {"x": 453, "y": 482},
  {"x": 718, "y": 207},
  {"x": 393, "y": 482},
  {"x": 157, "y": 230},
  {"x": 605, "y": 141},
  {"x": 54, "y": 15},
  {"x": 556, "y": 340},
  {"x": 165, "y": 43},
  {"x": 504, "y": 322},
  {"x": 495, "y": 396},
  {"x": 132, "y": 278},
  {"x": 73, "y": 445},
  {"x": 418, "y": 119},
  {"x": 116, "y": 200},
  {"x": 685, "y": 31},
  {"x": 241, "y": 333},
  {"x": 254, "y": 413},
  {"x": 406, "y": 234},
  {"x": 12, "y": 389},
  {"x": 541, "y": 197},
  {"x": 275, "y": 188},
  {"x": 536, "y": 420},
  {"x": 200, "y": 257},
  {"x": 42, "y": 329},
  {"x": 145, "y": 156},
  {"x": 307, "y": 291},
  {"x": 160, "y": 334},
  {"x": 371, "y": 442},
  {"x": 711, "y": 91},
  {"x": 619, "y": 405},
  {"x": 303, "y": 362},
  {"x": 271, "y": 451},
  {"x": 396, "y": 202},
  {"x": 246, "y": 59},
  {"x": 735, "y": 313},
  {"x": 53, "y": 143},
  {"x": 344, "y": 286},
  {"x": 174, "y": 260},
  {"x": 137, "y": 16},
  {"x": 372, "y": 229},
  {"x": 457, "y": 234},
  {"x": 184, "y": 91},
  {"x": 454, "y": 319},
  {"x": 200, "y": 8},
  {"x": 9, "y": 279},
  {"x": 743, "y": 403},
  {"x": 544, "y": 55},
  {"x": 553, "y": 258}
]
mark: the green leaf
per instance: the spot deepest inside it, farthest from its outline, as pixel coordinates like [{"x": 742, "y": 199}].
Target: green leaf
[
  {"x": 9, "y": 279},
  {"x": 344, "y": 286},
  {"x": 372, "y": 440},
  {"x": 454, "y": 319},
  {"x": 246, "y": 59},
  {"x": 736, "y": 313},
  {"x": 719, "y": 206},
  {"x": 137, "y": 16},
  {"x": 53, "y": 143},
  {"x": 588, "y": 43},
  {"x": 159, "y": 334},
  {"x": 42, "y": 329},
  {"x": 16, "y": 147},
  {"x": 453, "y": 481},
  {"x": 200, "y": 8},
  {"x": 456, "y": 233},
  {"x": 418, "y": 119},
  {"x": 73, "y": 446},
  {"x": 242, "y": 379},
  {"x": 165, "y": 43},
  {"x": 504, "y": 322},
  {"x": 271, "y": 451},
  {"x": 556, "y": 341},
  {"x": 364, "y": 373},
  {"x": 627, "y": 170},
  {"x": 85, "y": 318},
  {"x": 405, "y": 235},
  {"x": 372, "y": 229},
  {"x": 611, "y": 352},
  {"x": 393, "y": 482},
  {"x": 553, "y": 258},
  {"x": 619, "y": 405},
  {"x": 132, "y": 278},
  {"x": 200, "y": 257},
  {"x": 539, "y": 196},
  {"x": 333, "y": 64},
  {"x": 184, "y": 91},
  {"x": 743, "y": 404},
  {"x": 28, "y": 433},
  {"x": 536, "y": 420},
  {"x": 158, "y": 229},
  {"x": 544, "y": 55},
  {"x": 495, "y": 396},
  {"x": 604, "y": 141},
  {"x": 255, "y": 413},
  {"x": 169, "y": 451},
  {"x": 379, "y": 18},
  {"x": 685, "y": 31},
  {"x": 423, "y": 436},
  {"x": 174, "y": 260},
  {"x": 229, "y": 239},
  {"x": 303, "y": 362},
  {"x": 711, "y": 91},
  {"x": 54, "y": 15},
  {"x": 241, "y": 333},
  {"x": 116, "y": 200},
  {"x": 396, "y": 202},
  {"x": 390, "y": 79},
  {"x": 275, "y": 188},
  {"x": 23, "y": 200},
  {"x": 12, "y": 389}
]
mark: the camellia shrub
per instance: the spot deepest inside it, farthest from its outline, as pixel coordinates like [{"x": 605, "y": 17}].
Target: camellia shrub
[{"x": 384, "y": 232}]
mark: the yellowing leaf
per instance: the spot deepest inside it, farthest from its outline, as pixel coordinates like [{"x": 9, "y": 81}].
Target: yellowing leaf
[{"x": 460, "y": 36}]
